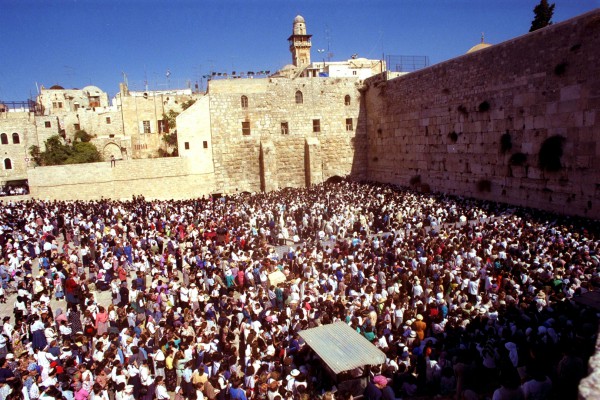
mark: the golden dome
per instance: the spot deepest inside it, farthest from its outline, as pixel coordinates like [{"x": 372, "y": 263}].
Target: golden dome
[{"x": 479, "y": 46}]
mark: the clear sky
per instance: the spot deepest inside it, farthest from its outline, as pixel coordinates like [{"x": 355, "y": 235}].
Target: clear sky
[{"x": 75, "y": 43}]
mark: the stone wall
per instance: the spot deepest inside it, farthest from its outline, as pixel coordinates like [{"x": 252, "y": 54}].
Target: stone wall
[
  {"x": 444, "y": 123},
  {"x": 243, "y": 161},
  {"x": 164, "y": 178}
]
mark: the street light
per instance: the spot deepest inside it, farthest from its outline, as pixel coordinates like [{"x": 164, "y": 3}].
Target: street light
[{"x": 322, "y": 52}]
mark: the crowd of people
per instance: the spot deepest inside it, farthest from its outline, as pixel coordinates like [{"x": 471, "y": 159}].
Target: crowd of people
[
  {"x": 14, "y": 190},
  {"x": 173, "y": 299}
]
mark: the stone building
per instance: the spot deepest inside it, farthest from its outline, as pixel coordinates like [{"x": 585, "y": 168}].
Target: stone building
[
  {"x": 86, "y": 109},
  {"x": 18, "y": 131},
  {"x": 143, "y": 117},
  {"x": 266, "y": 134}
]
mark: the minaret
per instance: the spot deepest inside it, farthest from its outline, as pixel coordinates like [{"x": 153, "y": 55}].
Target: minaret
[{"x": 300, "y": 43}]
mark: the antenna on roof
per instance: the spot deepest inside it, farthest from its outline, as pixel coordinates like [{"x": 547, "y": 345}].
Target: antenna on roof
[{"x": 328, "y": 38}]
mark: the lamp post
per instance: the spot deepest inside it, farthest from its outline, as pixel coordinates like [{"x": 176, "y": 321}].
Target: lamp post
[{"x": 322, "y": 52}]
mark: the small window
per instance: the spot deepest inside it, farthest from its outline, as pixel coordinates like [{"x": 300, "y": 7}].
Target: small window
[
  {"x": 146, "y": 125},
  {"x": 347, "y": 100},
  {"x": 108, "y": 120},
  {"x": 353, "y": 72},
  {"x": 47, "y": 124},
  {"x": 54, "y": 104},
  {"x": 316, "y": 125},
  {"x": 244, "y": 102},
  {"x": 186, "y": 145},
  {"x": 299, "y": 97},
  {"x": 284, "y": 128},
  {"x": 246, "y": 128},
  {"x": 7, "y": 163},
  {"x": 205, "y": 144},
  {"x": 349, "y": 126},
  {"x": 77, "y": 127},
  {"x": 4, "y": 138},
  {"x": 15, "y": 137},
  {"x": 60, "y": 104},
  {"x": 76, "y": 105}
]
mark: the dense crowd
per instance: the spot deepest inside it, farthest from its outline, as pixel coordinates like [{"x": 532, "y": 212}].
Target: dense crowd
[{"x": 466, "y": 299}]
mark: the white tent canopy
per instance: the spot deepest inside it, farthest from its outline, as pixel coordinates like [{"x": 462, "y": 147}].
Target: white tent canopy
[{"x": 341, "y": 347}]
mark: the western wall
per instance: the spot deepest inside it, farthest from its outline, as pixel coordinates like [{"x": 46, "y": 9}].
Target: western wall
[{"x": 475, "y": 125}]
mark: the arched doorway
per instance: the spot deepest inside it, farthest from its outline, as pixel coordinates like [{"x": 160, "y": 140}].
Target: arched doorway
[{"x": 112, "y": 149}]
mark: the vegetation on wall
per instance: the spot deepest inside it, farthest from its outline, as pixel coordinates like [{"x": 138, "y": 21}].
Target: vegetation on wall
[
  {"x": 484, "y": 106},
  {"x": 453, "y": 136},
  {"x": 58, "y": 152},
  {"x": 505, "y": 143},
  {"x": 170, "y": 117},
  {"x": 518, "y": 159},
  {"x": 551, "y": 151},
  {"x": 484, "y": 185},
  {"x": 170, "y": 138},
  {"x": 415, "y": 180},
  {"x": 187, "y": 104},
  {"x": 560, "y": 69}
]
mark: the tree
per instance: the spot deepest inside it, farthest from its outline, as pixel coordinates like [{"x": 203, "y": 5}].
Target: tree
[
  {"x": 82, "y": 136},
  {"x": 187, "y": 104},
  {"x": 170, "y": 116},
  {"x": 60, "y": 153},
  {"x": 543, "y": 15}
]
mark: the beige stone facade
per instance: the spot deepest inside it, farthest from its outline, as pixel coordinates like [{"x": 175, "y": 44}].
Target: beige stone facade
[
  {"x": 266, "y": 134},
  {"x": 17, "y": 133},
  {"x": 142, "y": 118},
  {"x": 59, "y": 101}
]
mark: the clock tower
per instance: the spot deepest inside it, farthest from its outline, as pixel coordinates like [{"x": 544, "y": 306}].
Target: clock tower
[{"x": 300, "y": 43}]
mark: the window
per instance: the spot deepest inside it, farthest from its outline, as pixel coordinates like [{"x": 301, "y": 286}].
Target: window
[
  {"x": 4, "y": 138},
  {"x": 284, "y": 128},
  {"x": 47, "y": 124},
  {"x": 57, "y": 104},
  {"x": 244, "y": 102},
  {"x": 76, "y": 105},
  {"x": 349, "y": 126},
  {"x": 7, "y": 163},
  {"x": 353, "y": 72},
  {"x": 146, "y": 126},
  {"x": 54, "y": 104},
  {"x": 108, "y": 120},
  {"x": 16, "y": 139},
  {"x": 299, "y": 97},
  {"x": 205, "y": 144},
  {"x": 246, "y": 128},
  {"x": 77, "y": 127},
  {"x": 163, "y": 126},
  {"x": 60, "y": 104},
  {"x": 316, "y": 125},
  {"x": 347, "y": 100},
  {"x": 186, "y": 145}
]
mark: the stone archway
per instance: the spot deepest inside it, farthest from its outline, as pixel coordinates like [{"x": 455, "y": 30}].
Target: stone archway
[{"x": 112, "y": 149}]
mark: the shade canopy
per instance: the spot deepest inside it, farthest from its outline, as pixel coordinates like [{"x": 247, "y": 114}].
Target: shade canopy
[
  {"x": 341, "y": 347},
  {"x": 276, "y": 278}
]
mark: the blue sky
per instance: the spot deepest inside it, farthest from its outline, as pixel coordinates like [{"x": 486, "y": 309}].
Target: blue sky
[{"x": 78, "y": 43}]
